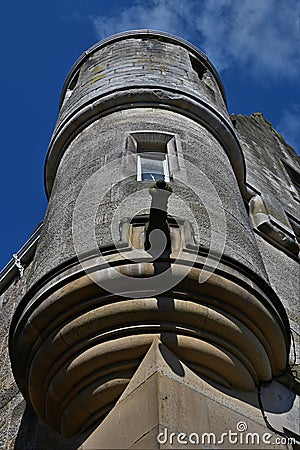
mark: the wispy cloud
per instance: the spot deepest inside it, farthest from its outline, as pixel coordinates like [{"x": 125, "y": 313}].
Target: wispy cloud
[
  {"x": 289, "y": 126},
  {"x": 261, "y": 35},
  {"x": 166, "y": 15}
]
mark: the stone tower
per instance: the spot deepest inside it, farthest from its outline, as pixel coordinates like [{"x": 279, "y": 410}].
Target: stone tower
[{"x": 152, "y": 313}]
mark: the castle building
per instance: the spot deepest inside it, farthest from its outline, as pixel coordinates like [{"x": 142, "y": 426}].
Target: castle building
[{"x": 156, "y": 306}]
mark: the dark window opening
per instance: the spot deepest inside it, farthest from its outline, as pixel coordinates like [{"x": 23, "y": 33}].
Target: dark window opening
[
  {"x": 294, "y": 176},
  {"x": 198, "y": 67}
]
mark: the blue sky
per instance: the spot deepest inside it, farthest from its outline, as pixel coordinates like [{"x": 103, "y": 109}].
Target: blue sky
[{"x": 254, "y": 44}]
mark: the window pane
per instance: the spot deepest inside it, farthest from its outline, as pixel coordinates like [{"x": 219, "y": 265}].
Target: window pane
[{"x": 152, "y": 169}]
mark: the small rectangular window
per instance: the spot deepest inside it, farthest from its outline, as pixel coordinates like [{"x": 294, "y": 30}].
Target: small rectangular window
[
  {"x": 153, "y": 167},
  {"x": 153, "y": 155}
]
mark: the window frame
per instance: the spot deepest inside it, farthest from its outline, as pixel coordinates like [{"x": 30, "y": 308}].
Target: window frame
[
  {"x": 160, "y": 156},
  {"x": 138, "y": 142}
]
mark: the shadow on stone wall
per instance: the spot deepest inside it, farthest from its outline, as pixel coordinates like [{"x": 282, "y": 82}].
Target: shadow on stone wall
[{"x": 34, "y": 435}]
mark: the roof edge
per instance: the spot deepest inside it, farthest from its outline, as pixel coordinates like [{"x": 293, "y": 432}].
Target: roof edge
[{"x": 136, "y": 34}]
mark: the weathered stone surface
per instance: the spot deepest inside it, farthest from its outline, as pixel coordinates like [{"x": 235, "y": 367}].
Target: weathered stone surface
[
  {"x": 101, "y": 147},
  {"x": 268, "y": 161},
  {"x": 78, "y": 349},
  {"x": 136, "y": 63},
  {"x": 165, "y": 401}
]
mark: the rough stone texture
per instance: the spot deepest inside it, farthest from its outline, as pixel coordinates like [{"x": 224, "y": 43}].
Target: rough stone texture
[
  {"x": 12, "y": 404},
  {"x": 165, "y": 396},
  {"x": 270, "y": 165},
  {"x": 267, "y": 157},
  {"x": 287, "y": 276},
  {"x": 102, "y": 144},
  {"x": 268, "y": 161},
  {"x": 20, "y": 428},
  {"x": 137, "y": 63}
]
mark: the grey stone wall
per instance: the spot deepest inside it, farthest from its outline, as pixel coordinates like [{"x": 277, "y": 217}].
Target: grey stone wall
[
  {"x": 269, "y": 160},
  {"x": 20, "y": 429},
  {"x": 102, "y": 144},
  {"x": 12, "y": 404},
  {"x": 267, "y": 155},
  {"x": 139, "y": 63}
]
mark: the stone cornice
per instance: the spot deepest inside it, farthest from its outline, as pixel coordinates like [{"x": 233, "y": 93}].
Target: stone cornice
[{"x": 163, "y": 98}]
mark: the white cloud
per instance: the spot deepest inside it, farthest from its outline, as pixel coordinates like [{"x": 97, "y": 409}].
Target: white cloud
[
  {"x": 261, "y": 36},
  {"x": 166, "y": 15},
  {"x": 289, "y": 126}
]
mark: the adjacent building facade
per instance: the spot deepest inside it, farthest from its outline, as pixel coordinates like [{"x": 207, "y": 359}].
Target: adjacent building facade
[{"x": 156, "y": 306}]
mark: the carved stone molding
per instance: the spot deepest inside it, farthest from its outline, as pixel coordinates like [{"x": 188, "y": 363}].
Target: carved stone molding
[{"x": 75, "y": 346}]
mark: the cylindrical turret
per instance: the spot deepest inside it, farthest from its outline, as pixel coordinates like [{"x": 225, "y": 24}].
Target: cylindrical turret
[
  {"x": 135, "y": 93},
  {"x": 139, "y": 107}
]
